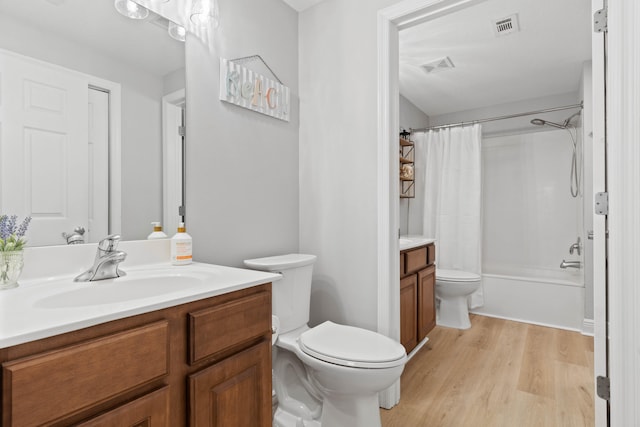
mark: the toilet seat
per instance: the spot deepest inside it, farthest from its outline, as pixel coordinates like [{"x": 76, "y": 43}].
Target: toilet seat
[
  {"x": 352, "y": 347},
  {"x": 456, "y": 276}
]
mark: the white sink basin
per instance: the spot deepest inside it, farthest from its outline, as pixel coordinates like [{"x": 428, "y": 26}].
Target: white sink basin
[{"x": 135, "y": 285}]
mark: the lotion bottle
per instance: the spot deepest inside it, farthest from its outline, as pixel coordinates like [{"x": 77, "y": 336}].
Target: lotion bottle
[
  {"x": 157, "y": 232},
  {"x": 181, "y": 247}
]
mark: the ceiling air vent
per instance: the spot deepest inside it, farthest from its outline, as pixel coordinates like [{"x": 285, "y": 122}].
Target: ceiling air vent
[
  {"x": 507, "y": 25},
  {"x": 438, "y": 65}
]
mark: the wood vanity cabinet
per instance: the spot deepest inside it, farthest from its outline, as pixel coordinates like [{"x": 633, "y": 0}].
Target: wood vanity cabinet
[
  {"x": 204, "y": 363},
  {"x": 417, "y": 294}
]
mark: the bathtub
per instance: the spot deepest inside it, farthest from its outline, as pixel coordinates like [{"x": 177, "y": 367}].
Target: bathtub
[{"x": 543, "y": 297}]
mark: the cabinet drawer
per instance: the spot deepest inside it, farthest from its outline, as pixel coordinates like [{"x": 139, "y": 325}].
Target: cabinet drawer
[
  {"x": 415, "y": 259},
  {"x": 221, "y": 327},
  {"x": 151, "y": 410},
  {"x": 50, "y": 386}
]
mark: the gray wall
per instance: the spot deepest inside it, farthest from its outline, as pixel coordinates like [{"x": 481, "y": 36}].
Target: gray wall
[
  {"x": 242, "y": 166},
  {"x": 411, "y": 116},
  {"x": 339, "y": 158}
]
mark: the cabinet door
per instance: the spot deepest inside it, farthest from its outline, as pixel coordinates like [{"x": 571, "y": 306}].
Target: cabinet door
[
  {"x": 234, "y": 392},
  {"x": 426, "y": 301},
  {"x": 151, "y": 410},
  {"x": 408, "y": 312}
]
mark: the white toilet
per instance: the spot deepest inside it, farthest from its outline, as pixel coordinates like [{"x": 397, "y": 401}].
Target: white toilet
[
  {"x": 453, "y": 287},
  {"x": 328, "y": 375}
]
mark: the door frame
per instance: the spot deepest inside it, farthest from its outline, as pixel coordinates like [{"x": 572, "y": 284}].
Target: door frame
[
  {"x": 623, "y": 185},
  {"x": 390, "y": 20},
  {"x": 172, "y": 174},
  {"x": 623, "y": 161},
  {"x": 115, "y": 148}
]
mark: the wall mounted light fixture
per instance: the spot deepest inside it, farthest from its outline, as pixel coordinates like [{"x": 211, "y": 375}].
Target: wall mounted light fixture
[
  {"x": 131, "y": 9},
  {"x": 205, "y": 13}
]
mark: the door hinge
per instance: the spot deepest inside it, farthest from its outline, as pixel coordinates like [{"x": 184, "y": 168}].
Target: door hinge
[
  {"x": 600, "y": 21},
  {"x": 601, "y": 203},
  {"x": 182, "y": 130},
  {"x": 603, "y": 387}
]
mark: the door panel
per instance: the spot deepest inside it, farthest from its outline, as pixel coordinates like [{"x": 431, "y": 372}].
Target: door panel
[{"x": 43, "y": 169}]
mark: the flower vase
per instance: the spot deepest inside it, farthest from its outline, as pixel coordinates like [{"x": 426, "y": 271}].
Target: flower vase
[{"x": 11, "y": 263}]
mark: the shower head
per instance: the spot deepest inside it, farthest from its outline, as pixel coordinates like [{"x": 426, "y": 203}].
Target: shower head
[{"x": 540, "y": 122}]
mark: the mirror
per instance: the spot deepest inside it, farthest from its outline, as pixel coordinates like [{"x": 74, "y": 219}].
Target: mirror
[{"x": 137, "y": 73}]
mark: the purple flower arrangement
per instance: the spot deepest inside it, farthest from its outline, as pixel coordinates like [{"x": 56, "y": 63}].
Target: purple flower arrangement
[{"x": 12, "y": 234}]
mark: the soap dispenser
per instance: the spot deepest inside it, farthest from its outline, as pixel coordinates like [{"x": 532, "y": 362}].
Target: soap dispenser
[
  {"x": 157, "y": 232},
  {"x": 181, "y": 247}
]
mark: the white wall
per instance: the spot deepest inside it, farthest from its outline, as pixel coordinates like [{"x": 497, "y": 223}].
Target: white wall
[
  {"x": 141, "y": 103},
  {"x": 338, "y": 157},
  {"x": 529, "y": 216},
  {"x": 411, "y": 117},
  {"x": 242, "y": 166}
]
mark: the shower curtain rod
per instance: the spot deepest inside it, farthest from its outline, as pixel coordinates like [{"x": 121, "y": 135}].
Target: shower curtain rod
[{"x": 510, "y": 116}]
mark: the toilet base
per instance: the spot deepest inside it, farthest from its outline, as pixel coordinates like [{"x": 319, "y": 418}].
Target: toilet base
[
  {"x": 286, "y": 419},
  {"x": 454, "y": 313},
  {"x": 347, "y": 411}
]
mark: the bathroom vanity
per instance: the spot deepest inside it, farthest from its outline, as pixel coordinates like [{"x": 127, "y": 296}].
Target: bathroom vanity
[
  {"x": 196, "y": 356},
  {"x": 417, "y": 290}
]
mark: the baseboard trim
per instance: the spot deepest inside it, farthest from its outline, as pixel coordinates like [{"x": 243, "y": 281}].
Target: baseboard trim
[
  {"x": 588, "y": 327},
  {"x": 513, "y": 319}
]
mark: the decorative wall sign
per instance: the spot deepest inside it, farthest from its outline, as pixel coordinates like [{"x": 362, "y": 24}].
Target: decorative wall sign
[{"x": 248, "y": 89}]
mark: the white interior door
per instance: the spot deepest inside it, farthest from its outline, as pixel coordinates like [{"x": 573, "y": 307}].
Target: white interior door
[
  {"x": 98, "y": 221},
  {"x": 599, "y": 221},
  {"x": 43, "y": 169}
]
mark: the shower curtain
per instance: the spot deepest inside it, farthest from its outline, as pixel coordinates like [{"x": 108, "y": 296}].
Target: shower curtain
[{"x": 452, "y": 198}]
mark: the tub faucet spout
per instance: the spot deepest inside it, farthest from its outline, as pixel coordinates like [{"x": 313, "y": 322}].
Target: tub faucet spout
[{"x": 570, "y": 264}]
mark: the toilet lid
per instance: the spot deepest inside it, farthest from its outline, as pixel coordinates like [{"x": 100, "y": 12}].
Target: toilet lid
[
  {"x": 350, "y": 346},
  {"x": 456, "y": 275}
]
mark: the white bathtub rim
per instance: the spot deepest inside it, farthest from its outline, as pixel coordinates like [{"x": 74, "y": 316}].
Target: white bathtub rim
[{"x": 547, "y": 280}]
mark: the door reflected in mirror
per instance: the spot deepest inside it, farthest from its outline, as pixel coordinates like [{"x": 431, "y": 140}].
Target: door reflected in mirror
[{"x": 91, "y": 111}]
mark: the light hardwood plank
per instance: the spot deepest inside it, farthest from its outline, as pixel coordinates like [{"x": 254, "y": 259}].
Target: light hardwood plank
[{"x": 498, "y": 373}]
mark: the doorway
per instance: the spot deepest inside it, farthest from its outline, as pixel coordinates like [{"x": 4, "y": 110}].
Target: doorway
[{"x": 391, "y": 21}]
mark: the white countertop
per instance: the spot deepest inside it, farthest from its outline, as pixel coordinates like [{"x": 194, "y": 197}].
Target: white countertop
[
  {"x": 413, "y": 241},
  {"x": 44, "y": 307}
]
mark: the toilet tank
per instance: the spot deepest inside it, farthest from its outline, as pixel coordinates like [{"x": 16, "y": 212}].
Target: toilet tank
[{"x": 291, "y": 295}]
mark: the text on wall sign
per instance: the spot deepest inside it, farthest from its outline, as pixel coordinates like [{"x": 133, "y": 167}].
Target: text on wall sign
[{"x": 248, "y": 89}]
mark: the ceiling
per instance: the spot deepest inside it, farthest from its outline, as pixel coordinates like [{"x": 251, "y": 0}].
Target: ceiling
[
  {"x": 96, "y": 24},
  {"x": 544, "y": 58}
]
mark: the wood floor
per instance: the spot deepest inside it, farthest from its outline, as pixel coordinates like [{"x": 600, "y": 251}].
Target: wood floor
[{"x": 498, "y": 373}]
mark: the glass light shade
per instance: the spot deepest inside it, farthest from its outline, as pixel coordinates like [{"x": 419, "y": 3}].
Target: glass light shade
[
  {"x": 176, "y": 31},
  {"x": 131, "y": 9},
  {"x": 205, "y": 13}
]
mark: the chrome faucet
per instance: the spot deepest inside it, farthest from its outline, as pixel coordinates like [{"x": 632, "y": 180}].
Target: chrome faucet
[
  {"x": 105, "y": 265},
  {"x": 577, "y": 246},
  {"x": 570, "y": 264}
]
